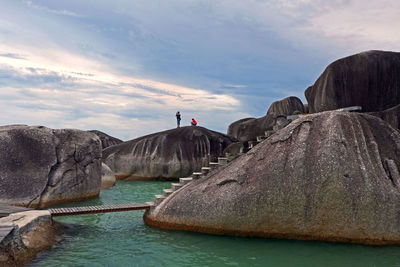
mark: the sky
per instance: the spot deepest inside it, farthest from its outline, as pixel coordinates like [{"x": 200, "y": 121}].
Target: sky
[{"x": 125, "y": 67}]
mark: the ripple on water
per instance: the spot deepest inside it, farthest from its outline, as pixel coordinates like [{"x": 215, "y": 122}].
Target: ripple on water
[{"x": 122, "y": 239}]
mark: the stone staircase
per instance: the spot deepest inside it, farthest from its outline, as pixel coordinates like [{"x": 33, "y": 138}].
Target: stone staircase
[
  {"x": 205, "y": 170},
  {"x": 281, "y": 122}
]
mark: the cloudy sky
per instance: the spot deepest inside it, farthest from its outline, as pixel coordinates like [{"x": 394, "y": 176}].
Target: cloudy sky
[{"x": 125, "y": 67}]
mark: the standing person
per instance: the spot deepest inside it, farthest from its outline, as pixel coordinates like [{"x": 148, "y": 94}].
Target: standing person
[
  {"x": 194, "y": 122},
  {"x": 178, "y": 119}
]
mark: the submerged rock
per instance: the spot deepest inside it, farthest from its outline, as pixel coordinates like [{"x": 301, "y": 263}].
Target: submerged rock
[
  {"x": 106, "y": 140},
  {"x": 330, "y": 176},
  {"x": 370, "y": 80},
  {"x": 41, "y": 166},
  {"x": 166, "y": 155}
]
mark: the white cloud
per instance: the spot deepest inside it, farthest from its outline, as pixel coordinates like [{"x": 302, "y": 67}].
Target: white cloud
[
  {"x": 362, "y": 24},
  {"x": 63, "y": 12},
  {"x": 82, "y": 93}
]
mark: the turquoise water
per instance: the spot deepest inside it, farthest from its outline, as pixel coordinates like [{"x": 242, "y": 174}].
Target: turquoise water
[{"x": 122, "y": 239}]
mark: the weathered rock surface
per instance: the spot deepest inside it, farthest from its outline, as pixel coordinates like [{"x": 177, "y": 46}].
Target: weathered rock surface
[
  {"x": 249, "y": 128},
  {"x": 41, "y": 166},
  {"x": 106, "y": 140},
  {"x": 107, "y": 177},
  {"x": 33, "y": 231},
  {"x": 330, "y": 176},
  {"x": 370, "y": 80},
  {"x": 166, "y": 155},
  {"x": 391, "y": 116},
  {"x": 286, "y": 106}
]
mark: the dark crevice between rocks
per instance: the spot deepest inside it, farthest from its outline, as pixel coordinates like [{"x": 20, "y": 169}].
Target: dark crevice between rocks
[
  {"x": 52, "y": 170},
  {"x": 289, "y": 135},
  {"x": 224, "y": 182},
  {"x": 392, "y": 172}
]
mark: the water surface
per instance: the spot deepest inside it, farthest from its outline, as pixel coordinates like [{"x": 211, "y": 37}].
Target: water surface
[{"x": 122, "y": 239}]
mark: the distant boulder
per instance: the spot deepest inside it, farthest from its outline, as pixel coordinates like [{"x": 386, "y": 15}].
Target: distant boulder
[
  {"x": 330, "y": 176},
  {"x": 286, "y": 106},
  {"x": 391, "y": 116},
  {"x": 106, "y": 140},
  {"x": 370, "y": 80},
  {"x": 40, "y": 166},
  {"x": 166, "y": 155},
  {"x": 107, "y": 177},
  {"x": 249, "y": 128}
]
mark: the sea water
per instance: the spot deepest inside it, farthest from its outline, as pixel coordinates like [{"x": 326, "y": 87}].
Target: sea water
[{"x": 122, "y": 239}]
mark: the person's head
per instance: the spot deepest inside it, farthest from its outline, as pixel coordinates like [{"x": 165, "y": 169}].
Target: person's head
[{"x": 192, "y": 119}]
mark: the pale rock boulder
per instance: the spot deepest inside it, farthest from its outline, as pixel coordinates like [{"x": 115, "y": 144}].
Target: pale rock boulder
[
  {"x": 32, "y": 232},
  {"x": 107, "y": 177}
]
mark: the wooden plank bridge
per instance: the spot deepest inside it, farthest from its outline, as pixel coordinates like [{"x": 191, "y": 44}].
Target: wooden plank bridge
[{"x": 99, "y": 209}]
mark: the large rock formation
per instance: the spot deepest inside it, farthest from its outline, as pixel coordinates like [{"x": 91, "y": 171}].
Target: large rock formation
[
  {"x": 249, "y": 128},
  {"x": 166, "y": 155},
  {"x": 286, "y": 106},
  {"x": 40, "y": 166},
  {"x": 106, "y": 140},
  {"x": 330, "y": 176},
  {"x": 370, "y": 80},
  {"x": 391, "y": 116}
]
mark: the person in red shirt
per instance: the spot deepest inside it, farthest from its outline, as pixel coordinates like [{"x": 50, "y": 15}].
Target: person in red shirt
[{"x": 194, "y": 122}]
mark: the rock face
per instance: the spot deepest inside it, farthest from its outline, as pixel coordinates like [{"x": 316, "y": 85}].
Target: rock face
[
  {"x": 249, "y": 128},
  {"x": 286, "y": 106},
  {"x": 331, "y": 176},
  {"x": 107, "y": 177},
  {"x": 33, "y": 231},
  {"x": 370, "y": 80},
  {"x": 106, "y": 140},
  {"x": 391, "y": 116},
  {"x": 166, "y": 155},
  {"x": 41, "y": 166}
]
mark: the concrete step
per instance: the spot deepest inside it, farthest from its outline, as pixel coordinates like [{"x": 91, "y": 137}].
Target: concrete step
[
  {"x": 269, "y": 133},
  {"x": 252, "y": 144},
  {"x": 222, "y": 161},
  {"x": 243, "y": 150},
  {"x": 158, "y": 199},
  {"x": 205, "y": 170},
  {"x": 175, "y": 187},
  {"x": 213, "y": 165},
  {"x": 152, "y": 205},
  {"x": 167, "y": 192},
  {"x": 186, "y": 180},
  {"x": 196, "y": 175},
  {"x": 261, "y": 138}
]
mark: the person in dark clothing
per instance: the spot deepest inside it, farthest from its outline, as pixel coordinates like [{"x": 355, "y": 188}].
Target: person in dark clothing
[
  {"x": 194, "y": 122},
  {"x": 178, "y": 119}
]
